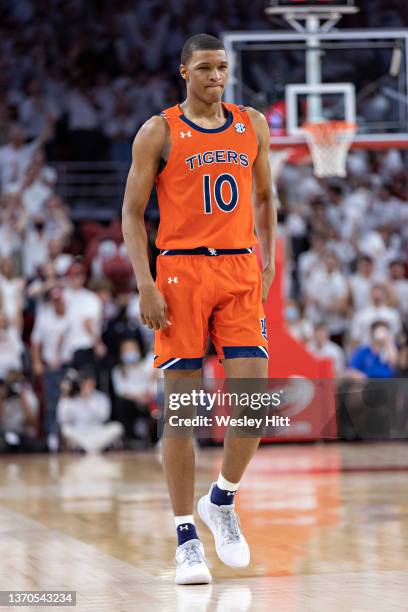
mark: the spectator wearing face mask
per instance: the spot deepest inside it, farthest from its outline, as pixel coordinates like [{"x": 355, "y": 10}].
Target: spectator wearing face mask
[
  {"x": 378, "y": 359},
  {"x": 298, "y": 326},
  {"x": 134, "y": 387}
]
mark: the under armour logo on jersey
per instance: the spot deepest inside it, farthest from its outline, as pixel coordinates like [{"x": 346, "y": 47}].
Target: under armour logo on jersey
[
  {"x": 212, "y": 251},
  {"x": 173, "y": 279},
  {"x": 184, "y": 134},
  {"x": 240, "y": 128},
  {"x": 183, "y": 527}
]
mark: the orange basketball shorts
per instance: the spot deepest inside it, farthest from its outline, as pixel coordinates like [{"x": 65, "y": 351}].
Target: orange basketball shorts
[{"x": 213, "y": 294}]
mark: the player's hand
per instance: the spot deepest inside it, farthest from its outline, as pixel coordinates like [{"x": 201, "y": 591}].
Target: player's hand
[
  {"x": 268, "y": 274},
  {"x": 153, "y": 308}
]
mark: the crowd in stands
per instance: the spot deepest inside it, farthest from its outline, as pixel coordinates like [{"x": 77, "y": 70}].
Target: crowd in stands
[
  {"x": 94, "y": 70},
  {"x": 69, "y": 319},
  {"x": 78, "y": 78},
  {"x": 347, "y": 241}
]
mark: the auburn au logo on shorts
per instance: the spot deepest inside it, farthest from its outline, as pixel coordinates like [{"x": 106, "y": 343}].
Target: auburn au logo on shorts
[{"x": 263, "y": 328}]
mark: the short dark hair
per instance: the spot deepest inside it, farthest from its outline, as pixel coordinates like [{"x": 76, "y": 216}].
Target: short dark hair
[
  {"x": 200, "y": 42},
  {"x": 376, "y": 324}
]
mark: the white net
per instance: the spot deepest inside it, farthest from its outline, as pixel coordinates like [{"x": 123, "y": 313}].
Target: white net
[{"x": 329, "y": 143}]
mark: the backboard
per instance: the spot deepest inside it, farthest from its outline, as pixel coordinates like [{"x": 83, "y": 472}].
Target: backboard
[{"x": 364, "y": 70}]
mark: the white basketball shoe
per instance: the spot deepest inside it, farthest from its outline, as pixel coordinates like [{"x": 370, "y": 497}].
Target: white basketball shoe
[
  {"x": 230, "y": 545},
  {"x": 191, "y": 566}
]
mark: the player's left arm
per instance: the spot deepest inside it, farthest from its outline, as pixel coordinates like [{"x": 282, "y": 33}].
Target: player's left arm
[{"x": 264, "y": 207}]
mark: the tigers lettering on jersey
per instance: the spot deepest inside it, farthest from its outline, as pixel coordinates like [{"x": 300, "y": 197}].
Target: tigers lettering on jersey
[
  {"x": 205, "y": 188},
  {"x": 219, "y": 156}
]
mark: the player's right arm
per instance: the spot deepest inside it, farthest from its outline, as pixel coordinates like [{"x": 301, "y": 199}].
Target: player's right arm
[{"x": 147, "y": 150}]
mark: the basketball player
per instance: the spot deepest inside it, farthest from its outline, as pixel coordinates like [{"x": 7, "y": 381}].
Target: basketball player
[{"x": 207, "y": 158}]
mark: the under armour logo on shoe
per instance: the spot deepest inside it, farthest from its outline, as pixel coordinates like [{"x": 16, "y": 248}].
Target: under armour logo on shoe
[
  {"x": 183, "y": 527},
  {"x": 231, "y": 492},
  {"x": 173, "y": 279},
  {"x": 184, "y": 134}
]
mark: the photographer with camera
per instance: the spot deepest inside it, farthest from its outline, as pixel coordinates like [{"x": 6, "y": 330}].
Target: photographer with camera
[
  {"x": 83, "y": 412},
  {"x": 19, "y": 415}
]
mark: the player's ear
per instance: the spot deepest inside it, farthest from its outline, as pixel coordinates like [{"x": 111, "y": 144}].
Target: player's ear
[{"x": 183, "y": 72}]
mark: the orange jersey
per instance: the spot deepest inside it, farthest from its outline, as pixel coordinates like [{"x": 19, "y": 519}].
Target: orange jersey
[{"x": 205, "y": 189}]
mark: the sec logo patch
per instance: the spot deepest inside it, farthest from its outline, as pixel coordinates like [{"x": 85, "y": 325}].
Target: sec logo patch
[{"x": 240, "y": 128}]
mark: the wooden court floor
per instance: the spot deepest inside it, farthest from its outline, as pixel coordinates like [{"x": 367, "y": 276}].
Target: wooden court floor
[{"x": 327, "y": 526}]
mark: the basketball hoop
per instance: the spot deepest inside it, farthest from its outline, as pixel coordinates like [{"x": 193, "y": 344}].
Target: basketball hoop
[{"x": 329, "y": 143}]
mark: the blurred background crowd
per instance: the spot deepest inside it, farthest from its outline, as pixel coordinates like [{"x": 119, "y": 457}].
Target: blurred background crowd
[{"x": 77, "y": 79}]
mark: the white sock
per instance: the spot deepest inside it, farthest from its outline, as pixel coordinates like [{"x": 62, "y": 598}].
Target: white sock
[
  {"x": 186, "y": 518},
  {"x": 226, "y": 485}
]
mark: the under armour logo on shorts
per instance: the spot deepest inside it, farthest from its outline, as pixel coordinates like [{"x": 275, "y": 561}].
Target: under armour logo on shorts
[
  {"x": 173, "y": 279},
  {"x": 184, "y": 134}
]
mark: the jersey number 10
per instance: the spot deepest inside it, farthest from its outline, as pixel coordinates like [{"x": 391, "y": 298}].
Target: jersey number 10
[{"x": 217, "y": 192}]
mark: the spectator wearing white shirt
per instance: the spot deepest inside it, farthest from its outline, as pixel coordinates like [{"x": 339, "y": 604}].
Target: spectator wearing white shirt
[
  {"x": 47, "y": 339},
  {"x": 120, "y": 128},
  {"x": 16, "y": 156},
  {"x": 335, "y": 211},
  {"x": 322, "y": 346},
  {"x": 11, "y": 293},
  {"x": 361, "y": 282},
  {"x": 11, "y": 348},
  {"x": 134, "y": 385},
  {"x": 10, "y": 227},
  {"x": 383, "y": 245},
  {"x": 35, "y": 246},
  {"x": 41, "y": 285},
  {"x": 35, "y": 192},
  {"x": 83, "y": 338},
  {"x": 83, "y": 112},
  {"x": 58, "y": 225},
  {"x": 84, "y": 118},
  {"x": 399, "y": 285},
  {"x": 377, "y": 311},
  {"x": 298, "y": 326},
  {"x": 386, "y": 209},
  {"x": 327, "y": 297},
  {"x": 83, "y": 416},
  {"x": 311, "y": 260},
  {"x": 37, "y": 110}
]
